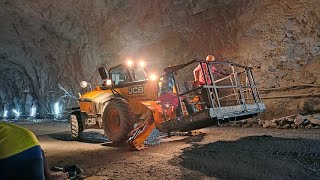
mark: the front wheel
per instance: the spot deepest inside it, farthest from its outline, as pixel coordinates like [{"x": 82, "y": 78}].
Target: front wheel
[
  {"x": 76, "y": 127},
  {"x": 118, "y": 120}
]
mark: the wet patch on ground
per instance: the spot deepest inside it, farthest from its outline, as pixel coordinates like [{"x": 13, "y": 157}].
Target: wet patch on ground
[
  {"x": 254, "y": 157},
  {"x": 87, "y": 137}
]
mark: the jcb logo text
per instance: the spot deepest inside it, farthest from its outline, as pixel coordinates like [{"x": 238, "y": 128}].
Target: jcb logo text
[{"x": 136, "y": 90}]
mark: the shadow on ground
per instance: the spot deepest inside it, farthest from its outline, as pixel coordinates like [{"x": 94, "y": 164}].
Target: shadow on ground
[
  {"x": 87, "y": 137},
  {"x": 254, "y": 157}
]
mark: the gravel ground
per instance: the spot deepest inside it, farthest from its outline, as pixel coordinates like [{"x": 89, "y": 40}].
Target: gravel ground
[{"x": 218, "y": 153}]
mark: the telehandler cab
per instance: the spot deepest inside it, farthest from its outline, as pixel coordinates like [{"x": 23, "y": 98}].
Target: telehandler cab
[{"x": 129, "y": 104}]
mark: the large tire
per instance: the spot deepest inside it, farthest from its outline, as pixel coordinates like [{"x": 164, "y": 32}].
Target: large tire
[
  {"x": 118, "y": 120},
  {"x": 76, "y": 127}
]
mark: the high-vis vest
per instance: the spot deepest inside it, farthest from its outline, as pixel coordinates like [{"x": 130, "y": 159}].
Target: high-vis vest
[{"x": 15, "y": 139}]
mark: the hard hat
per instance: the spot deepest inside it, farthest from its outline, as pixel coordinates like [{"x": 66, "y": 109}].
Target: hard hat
[{"x": 210, "y": 58}]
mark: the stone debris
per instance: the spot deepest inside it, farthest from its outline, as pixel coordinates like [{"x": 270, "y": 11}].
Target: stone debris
[
  {"x": 236, "y": 125},
  {"x": 286, "y": 126},
  {"x": 269, "y": 124},
  {"x": 288, "y": 122},
  {"x": 314, "y": 120},
  {"x": 317, "y": 116},
  {"x": 309, "y": 126},
  {"x": 299, "y": 120}
]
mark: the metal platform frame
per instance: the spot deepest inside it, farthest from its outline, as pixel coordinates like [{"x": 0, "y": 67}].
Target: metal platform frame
[{"x": 245, "y": 94}]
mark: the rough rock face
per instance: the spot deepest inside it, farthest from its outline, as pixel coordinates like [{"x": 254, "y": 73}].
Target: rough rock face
[{"x": 46, "y": 43}]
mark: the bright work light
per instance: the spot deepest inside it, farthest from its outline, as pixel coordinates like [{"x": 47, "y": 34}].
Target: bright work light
[
  {"x": 153, "y": 77},
  {"x": 16, "y": 112},
  {"x": 142, "y": 63},
  {"x": 129, "y": 62},
  {"x": 56, "y": 108},
  {"x": 33, "y": 111},
  {"x": 109, "y": 82}
]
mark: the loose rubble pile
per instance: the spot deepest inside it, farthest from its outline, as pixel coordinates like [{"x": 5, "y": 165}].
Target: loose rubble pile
[
  {"x": 294, "y": 121},
  {"x": 298, "y": 121}
]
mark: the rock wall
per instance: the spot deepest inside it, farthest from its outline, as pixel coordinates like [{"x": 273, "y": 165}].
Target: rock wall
[{"x": 46, "y": 43}]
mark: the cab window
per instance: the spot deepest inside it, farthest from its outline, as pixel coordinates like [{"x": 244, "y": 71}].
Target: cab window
[
  {"x": 123, "y": 74},
  {"x": 138, "y": 74},
  {"x": 120, "y": 75}
]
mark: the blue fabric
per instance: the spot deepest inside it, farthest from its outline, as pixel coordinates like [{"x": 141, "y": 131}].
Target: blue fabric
[
  {"x": 171, "y": 82},
  {"x": 25, "y": 165},
  {"x": 167, "y": 84}
]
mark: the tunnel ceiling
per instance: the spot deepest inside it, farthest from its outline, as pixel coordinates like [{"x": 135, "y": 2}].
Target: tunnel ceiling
[{"x": 47, "y": 44}]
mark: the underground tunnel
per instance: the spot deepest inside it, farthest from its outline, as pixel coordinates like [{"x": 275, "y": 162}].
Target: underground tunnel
[{"x": 49, "y": 49}]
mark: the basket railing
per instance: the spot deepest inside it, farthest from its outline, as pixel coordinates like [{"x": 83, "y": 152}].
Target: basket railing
[{"x": 237, "y": 87}]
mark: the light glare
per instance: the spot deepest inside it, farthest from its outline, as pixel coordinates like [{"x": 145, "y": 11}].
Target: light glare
[
  {"x": 129, "y": 62},
  {"x": 33, "y": 111},
  {"x": 142, "y": 63},
  {"x": 153, "y": 77},
  {"x": 109, "y": 82},
  {"x": 5, "y": 114},
  {"x": 16, "y": 112},
  {"x": 56, "y": 108}
]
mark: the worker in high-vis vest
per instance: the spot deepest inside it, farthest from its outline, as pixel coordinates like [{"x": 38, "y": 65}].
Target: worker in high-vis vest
[{"x": 21, "y": 156}]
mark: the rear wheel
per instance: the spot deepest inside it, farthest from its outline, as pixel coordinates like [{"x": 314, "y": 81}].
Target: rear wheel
[
  {"x": 76, "y": 127},
  {"x": 118, "y": 120}
]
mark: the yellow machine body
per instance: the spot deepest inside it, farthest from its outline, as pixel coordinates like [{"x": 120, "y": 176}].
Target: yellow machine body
[{"x": 94, "y": 101}]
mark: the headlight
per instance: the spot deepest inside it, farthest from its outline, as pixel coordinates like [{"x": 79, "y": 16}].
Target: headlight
[
  {"x": 109, "y": 82},
  {"x": 129, "y": 62},
  {"x": 153, "y": 77},
  {"x": 142, "y": 63}
]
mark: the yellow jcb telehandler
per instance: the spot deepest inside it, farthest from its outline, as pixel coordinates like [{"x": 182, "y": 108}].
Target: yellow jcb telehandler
[{"x": 129, "y": 103}]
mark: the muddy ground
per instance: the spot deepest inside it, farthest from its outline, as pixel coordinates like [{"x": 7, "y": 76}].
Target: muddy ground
[{"x": 219, "y": 153}]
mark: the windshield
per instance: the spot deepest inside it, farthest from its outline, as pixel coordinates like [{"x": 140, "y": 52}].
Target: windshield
[{"x": 123, "y": 74}]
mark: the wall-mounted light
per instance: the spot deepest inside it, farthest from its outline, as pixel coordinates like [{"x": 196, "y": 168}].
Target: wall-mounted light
[
  {"x": 33, "y": 111},
  {"x": 16, "y": 112},
  {"x": 5, "y": 114},
  {"x": 56, "y": 108}
]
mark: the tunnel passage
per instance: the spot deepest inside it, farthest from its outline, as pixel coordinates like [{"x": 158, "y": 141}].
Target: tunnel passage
[{"x": 48, "y": 47}]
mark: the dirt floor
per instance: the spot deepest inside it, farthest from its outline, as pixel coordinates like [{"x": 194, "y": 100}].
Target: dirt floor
[{"x": 219, "y": 153}]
